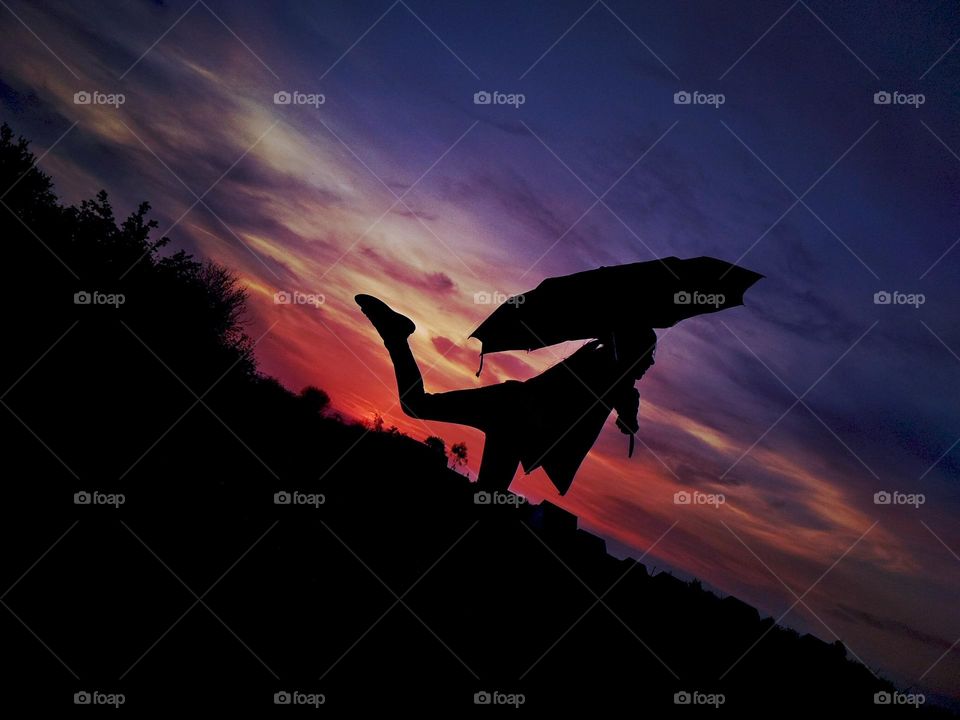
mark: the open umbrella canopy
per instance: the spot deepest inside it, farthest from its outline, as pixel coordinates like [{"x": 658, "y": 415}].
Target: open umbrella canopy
[{"x": 595, "y": 303}]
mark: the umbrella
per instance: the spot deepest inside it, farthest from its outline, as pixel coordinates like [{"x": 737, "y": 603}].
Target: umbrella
[{"x": 595, "y": 303}]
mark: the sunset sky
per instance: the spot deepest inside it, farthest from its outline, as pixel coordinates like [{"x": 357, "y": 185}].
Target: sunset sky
[{"x": 798, "y": 408}]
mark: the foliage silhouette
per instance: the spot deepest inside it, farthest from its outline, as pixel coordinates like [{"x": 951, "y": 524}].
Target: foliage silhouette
[{"x": 437, "y": 444}]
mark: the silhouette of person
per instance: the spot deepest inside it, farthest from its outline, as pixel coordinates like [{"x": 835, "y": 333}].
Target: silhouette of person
[{"x": 550, "y": 421}]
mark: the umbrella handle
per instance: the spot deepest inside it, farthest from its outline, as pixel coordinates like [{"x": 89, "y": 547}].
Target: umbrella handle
[
  {"x": 630, "y": 452},
  {"x": 480, "y": 369}
]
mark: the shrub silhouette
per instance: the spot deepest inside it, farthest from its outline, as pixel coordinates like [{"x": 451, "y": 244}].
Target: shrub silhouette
[{"x": 314, "y": 399}]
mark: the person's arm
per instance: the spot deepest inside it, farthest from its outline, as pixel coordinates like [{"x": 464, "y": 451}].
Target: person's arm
[{"x": 627, "y": 406}]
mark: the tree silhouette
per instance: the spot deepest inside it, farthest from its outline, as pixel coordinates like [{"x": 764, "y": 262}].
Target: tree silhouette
[
  {"x": 459, "y": 453},
  {"x": 437, "y": 444}
]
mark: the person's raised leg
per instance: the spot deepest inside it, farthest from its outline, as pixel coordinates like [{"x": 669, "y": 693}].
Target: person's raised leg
[
  {"x": 464, "y": 407},
  {"x": 394, "y": 329}
]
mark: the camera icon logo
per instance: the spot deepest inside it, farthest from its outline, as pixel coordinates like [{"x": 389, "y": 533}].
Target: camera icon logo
[
  {"x": 682, "y": 97},
  {"x": 682, "y": 298},
  {"x": 81, "y": 698},
  {"x": 882, "y": 98},
  {"x": 882, "y": 298},
  {"x": 82, "y": 98},
  {"x": 882, "y": 498},
  {"x": 82, "y": 498},
  {"x": 82, "y": 298},
  {"x": 282, "y": 98},
  {"x": 482, "y": 698},
  {"x": 282, "y": 698},
  {"x": 482, "y": 98},
  {"x": 681, "y": 497},
  {"x": 482, "y": 298},
  {"x": 282, "y": 298},
  {"x": 282, "y": 498},
  {"x": 882, "y": 698},
  {"x": 482, "y": 498},
  {"x": 682, "y": 698}
]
